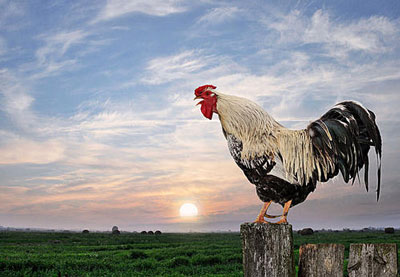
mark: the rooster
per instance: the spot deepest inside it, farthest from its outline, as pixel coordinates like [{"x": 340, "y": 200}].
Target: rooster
[{"x": 285, "y": 165}]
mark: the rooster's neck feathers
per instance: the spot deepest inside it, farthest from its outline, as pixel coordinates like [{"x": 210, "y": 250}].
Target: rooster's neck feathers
[{"x": 248, "y": 122}]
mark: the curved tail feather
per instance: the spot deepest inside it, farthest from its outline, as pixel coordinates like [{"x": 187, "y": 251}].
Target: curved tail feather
[{"x": 343, "y": 137}]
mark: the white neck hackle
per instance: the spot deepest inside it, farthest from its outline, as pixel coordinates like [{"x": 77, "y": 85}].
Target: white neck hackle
[{"x": 248, "y": 122}]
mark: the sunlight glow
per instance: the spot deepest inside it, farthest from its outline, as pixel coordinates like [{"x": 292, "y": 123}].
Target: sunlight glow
[{"x": 188, "y": 209}]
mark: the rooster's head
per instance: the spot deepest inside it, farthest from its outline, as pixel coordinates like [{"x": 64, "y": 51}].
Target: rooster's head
[{"x": 209, "y": 100}]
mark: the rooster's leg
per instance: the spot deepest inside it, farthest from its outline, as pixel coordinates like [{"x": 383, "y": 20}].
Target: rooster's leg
[
  {"x": 260, "y": 217},
  {"x": 285, "y": 212}
]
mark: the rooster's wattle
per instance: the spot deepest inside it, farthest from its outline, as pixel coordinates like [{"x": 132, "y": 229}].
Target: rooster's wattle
[{"x": 285, "y": 165}]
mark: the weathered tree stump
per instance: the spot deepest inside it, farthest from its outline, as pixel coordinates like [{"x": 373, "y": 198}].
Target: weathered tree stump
[
  {"x": 369, "y": 260},
  {"x": 321, "y": 260},
  {"x": 267, "y": 250}
]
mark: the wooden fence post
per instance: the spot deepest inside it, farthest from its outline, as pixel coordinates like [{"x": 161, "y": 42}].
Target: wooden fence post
[
  {"x": 267, "y": 250},
  {"x": 321, "y": 260},
  {"x": 372, "y": 260}
]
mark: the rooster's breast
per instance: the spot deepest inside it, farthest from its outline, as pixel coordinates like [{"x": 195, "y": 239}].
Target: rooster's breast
[
  {"x": 255, "y": 168},
  {"x": 262, "y": 172}
]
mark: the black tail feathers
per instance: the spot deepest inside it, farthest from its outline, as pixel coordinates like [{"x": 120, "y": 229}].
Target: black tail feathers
[{"x": 355, "y": 131}]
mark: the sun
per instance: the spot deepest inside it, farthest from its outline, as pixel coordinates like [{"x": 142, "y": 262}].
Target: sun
[{"x": 188, "y": 209}]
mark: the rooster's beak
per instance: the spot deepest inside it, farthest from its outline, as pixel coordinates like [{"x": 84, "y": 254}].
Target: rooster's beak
[{"x": 198, "y": 97}]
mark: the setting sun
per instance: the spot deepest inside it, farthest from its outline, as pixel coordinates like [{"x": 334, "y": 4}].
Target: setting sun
[{"x": 188, "y": 209}]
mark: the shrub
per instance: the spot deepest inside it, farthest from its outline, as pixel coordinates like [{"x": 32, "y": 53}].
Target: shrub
[
  {"x": 116, "y": 232},
  {"x": 389, "y": 230},
  {"x": 306, "y": 232}
]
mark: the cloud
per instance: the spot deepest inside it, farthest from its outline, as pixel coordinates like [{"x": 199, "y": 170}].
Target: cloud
[
  {"x": 56, "y": 45},
  {"x": 371, "y": 35},
  {"x": 62, "y": 51},
  {"x": 27, "y": 151},
  {"x": 16, "y": 101},
  {"x": 218, "y": 15},
  {"x": 117, "y": 8},
  {"x": 171, "y": 68},
  {"x": 52, "y": 58},
  {"x": 176, "y": 67}
]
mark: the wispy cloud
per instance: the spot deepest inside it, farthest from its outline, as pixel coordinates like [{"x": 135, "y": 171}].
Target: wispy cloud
[
  {"x": 56, "y": 45},
  {"x": 52, "y": 58},
  {"x": 16, "y": 101},
  {"x": 117, "y": 8},
  {"x": 187, "y": 64},
  {"x": 371, "y": 35},
  {"x": 27, "y": 151},
  {"x": 219, "y": 15},
  {"x": 171, "y": 68}
]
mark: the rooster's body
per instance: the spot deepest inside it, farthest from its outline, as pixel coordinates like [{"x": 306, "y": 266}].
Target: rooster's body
[{"x": 285, "y": 165}]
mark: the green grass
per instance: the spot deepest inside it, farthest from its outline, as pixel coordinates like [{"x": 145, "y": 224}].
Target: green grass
[{"x": 98, "y": 254}]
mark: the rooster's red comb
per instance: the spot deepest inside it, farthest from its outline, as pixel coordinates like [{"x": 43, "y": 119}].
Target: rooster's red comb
[{"x": 199, "y": 90}]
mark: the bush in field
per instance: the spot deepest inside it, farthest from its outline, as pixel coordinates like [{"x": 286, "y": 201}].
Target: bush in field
[
  {"x": 150, "y": 233},
  {"x": 116, "y": 232},
  {"x": 136, "y": 254},
  {"x": 306, "y": 232},
  {"x": 85, "y": 231},
  {"x": 143, "y": 233},
  {"x": 389, "y": 230},
  {"x": 158, "y": 232},
  {"x": 114, "y": 228}
]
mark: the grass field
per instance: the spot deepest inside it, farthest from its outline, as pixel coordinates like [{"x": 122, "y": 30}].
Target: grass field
[{"x": 128, "y": 254}]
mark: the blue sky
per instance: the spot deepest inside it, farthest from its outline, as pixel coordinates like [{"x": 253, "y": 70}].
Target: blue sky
[{"x": 98, "y": 127}]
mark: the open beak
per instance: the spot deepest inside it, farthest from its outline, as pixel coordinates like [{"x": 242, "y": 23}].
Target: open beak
[{"x": 198, "y": 97}]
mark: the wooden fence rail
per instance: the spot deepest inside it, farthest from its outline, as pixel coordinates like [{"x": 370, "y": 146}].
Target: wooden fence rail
[{"x": 268, "y": 251}]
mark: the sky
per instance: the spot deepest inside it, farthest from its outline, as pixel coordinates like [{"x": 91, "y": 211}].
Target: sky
[{"x": 98, "y": 126}]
